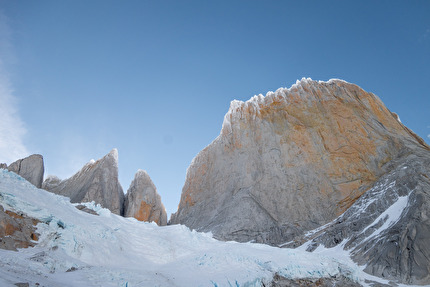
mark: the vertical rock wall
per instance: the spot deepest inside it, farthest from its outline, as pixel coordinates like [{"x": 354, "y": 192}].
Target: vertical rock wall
[
  {"x": 291, "y": 161},
  {"x": 31, "y": 168},
  {"x": 143, "y": 202}
]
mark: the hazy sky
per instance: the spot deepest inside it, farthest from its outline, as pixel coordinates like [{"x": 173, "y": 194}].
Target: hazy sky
[{"x": 155, "y": 78}]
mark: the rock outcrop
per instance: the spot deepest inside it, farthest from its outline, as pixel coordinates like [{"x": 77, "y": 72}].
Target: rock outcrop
[
  {"x": 388, "y": 228},
  {"x": 50, "y": 182},
  {"x": 341, "y": 281},
  {"x": 291, "y": 162},
  {"x": 143, "y": 202},
  {"x": 31, "y": 168},
  {"x": 97, "y": 181},
  {"x": 16, "y": 230}
]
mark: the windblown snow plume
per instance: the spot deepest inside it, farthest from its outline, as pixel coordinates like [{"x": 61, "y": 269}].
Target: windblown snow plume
[{"x": 12, "y": 128}]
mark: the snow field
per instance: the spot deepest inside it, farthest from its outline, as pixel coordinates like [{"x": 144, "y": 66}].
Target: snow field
[{"x": 109, "y": 250}]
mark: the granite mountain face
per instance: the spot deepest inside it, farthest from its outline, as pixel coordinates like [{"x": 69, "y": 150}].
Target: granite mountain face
[
  {"x": 143, "y": 202},
  {"x": 286, "y": 164},
  {"x": 291, "y": 162},
  {"x": 96, "y": 181}
]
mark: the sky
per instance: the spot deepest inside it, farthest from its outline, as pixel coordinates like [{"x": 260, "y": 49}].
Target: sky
[{"x": 154, "y": 79}]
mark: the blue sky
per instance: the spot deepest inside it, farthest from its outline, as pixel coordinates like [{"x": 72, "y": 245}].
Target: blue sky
[{"x": 155, "y": 78}]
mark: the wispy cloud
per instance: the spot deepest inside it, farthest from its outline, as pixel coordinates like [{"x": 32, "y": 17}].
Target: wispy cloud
[{"x": 12, "y": 128}]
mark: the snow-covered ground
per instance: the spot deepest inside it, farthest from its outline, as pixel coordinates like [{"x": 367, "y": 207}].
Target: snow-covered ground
[{"x": 79, "y": 249}]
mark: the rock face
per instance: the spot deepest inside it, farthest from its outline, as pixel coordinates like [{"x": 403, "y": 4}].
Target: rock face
[
  {"x": 50, "y": 182},
  {"x": 279, "y": 281},
  {"x": 16, "y": 230},
  {"x": 31, "y": 168},
  {"x": 143, "y": 202},
  {"x": 321, "y": 163},
  {"x": 291, "y": 162},
  {"x": 97, "y": 181},
  {"x": 388, "y": 228}
]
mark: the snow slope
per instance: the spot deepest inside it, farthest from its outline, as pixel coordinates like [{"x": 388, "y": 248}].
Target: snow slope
[{"x": 109, "y": 250}]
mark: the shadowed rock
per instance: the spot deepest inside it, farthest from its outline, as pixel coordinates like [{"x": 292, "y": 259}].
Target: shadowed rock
[
  {"x": 83, "y": 208},
  {"x": 341, "y": 281},
  {"x": 97, "y": 181},
  {"x": 388, "y": 229},
  {"x": 31, "y": 168},
  {"x": 143, "y": 202}
]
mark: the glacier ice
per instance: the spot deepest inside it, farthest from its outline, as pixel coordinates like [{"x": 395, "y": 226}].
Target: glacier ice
[{"x": 80, "y": 249}]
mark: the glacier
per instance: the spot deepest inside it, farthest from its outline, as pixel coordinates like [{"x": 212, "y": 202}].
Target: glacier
[{"x": 80, "y": 249}]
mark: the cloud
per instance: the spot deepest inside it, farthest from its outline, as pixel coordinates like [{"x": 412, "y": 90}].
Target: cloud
[{"x": 12, "y": 130}]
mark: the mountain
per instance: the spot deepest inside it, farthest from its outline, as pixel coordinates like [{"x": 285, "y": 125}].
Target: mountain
[
  {"x": 143, "y": 202},
  {"x": 291, "y": 161},
  {"x": 321, "y": 171},
  {"x": 97, "y": 181},
  {"x": 31, "y": 168},
  {"x": 287, "y": 164}
]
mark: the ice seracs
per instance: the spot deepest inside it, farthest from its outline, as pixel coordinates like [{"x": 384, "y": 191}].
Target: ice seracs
[
  {"x": 143, "y": 202},
  {"x": 80, "y": 249}
]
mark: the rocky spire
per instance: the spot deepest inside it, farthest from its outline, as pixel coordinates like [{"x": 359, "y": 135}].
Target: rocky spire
[
  {"x": 97, "y": 181},
  {"x": 143, "y": 202}
]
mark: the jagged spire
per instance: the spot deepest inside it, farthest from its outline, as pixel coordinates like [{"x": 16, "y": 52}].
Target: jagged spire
[{"x": 143, "y": 202}]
